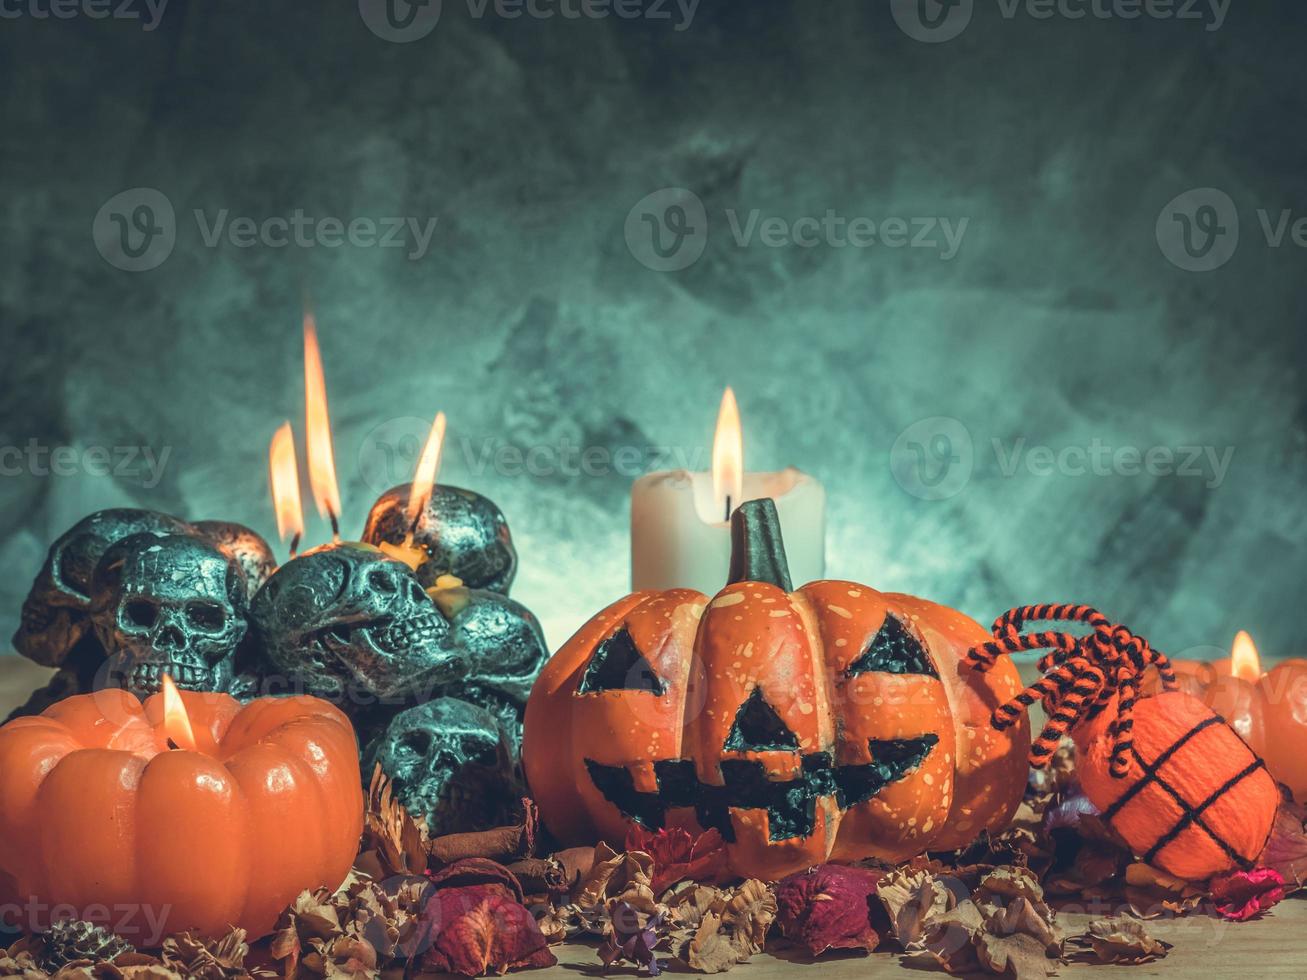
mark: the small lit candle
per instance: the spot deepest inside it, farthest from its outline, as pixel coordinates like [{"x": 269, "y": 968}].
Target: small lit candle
[
  {"x": 680, "y": 521},
  {"x": 1267, "y": 709},
  {"x": 411, "y": 553},
  {"x": 317, "y": 432}
]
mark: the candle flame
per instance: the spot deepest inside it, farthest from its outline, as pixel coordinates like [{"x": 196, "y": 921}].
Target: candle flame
[
  {"x": 1244, "y": 661},
  {"x": 317, "y": 428},
  {"x": 728, "y": 455},
  {"x": 176, "y": 722},
  {"x": 424, "y": 477},
  {"x": 285, "y": 483}
]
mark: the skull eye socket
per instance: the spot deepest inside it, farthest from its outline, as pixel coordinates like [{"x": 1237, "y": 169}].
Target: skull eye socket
[
  {"x": 418, "y": 742},
  {"x": 206, "y": 616},
  {"x": 418, "y": 593},
  {"x": 141, "y": 612},
  {"x": 381, "y": 580}
]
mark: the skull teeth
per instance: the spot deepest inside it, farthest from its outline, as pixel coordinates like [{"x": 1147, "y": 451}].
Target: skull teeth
[
  {"x": 148, "y": 678},
  {"x": 404, "y": 633},
  {"x": 390, "y": 635}
]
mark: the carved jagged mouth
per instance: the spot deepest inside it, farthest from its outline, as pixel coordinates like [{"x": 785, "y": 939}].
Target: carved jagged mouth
[
  {"x": 389, "y": 635},
  {"x": 148, "y": 678},
  {"x": 791, "y": 805}
]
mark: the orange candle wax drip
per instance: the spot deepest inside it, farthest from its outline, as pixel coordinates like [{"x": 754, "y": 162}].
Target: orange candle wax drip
[
  {"x": 1169, "y": 775},
  {"x": 1267, "y": 709},
  {"x": 198, "y": 812}
]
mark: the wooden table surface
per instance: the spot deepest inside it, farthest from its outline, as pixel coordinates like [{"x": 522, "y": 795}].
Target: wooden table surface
[{"x": 1273, "y": 947}]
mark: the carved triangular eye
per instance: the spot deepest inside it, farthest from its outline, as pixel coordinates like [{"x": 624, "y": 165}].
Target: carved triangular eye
[
  {"x": 759, "y": 728},
  {"x": 618, "y": 665},
  {"x": 894, "y": 650}
]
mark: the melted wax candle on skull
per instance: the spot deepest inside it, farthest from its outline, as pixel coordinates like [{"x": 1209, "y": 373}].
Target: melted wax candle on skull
[
  {"x": 448, "y": 535},
  {"x": 284, "y": 478},
  {"x": 680, "y": 521},
  {"x": 408, "y": 551}
]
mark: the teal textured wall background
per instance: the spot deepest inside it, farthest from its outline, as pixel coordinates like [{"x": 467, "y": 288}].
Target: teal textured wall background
[{"x": 1063, "y": 153}]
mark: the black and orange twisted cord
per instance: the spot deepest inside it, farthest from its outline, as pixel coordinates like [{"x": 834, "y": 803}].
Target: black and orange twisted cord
[{"x": 1081, "y": 674}]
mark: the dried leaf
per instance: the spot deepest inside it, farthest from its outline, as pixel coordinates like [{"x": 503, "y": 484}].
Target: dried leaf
[
  {"x": 911, "y": 898},
  {"x": 393, "y": 842},
  {"x": 1120, "y": 939},
  {"x": 206, "y": 959},
  {"x": 679, "y": 856},
  {"x": 718, "y": 928},
  {"x": 476, "y": 871},
  {"x": 828, "y": 907},
  {"x": 1246, "y": 894},
  {"x": 624, "y": 877},
  {"x": 1018, "y": 956},
  {"x": 503, "y": 844}
]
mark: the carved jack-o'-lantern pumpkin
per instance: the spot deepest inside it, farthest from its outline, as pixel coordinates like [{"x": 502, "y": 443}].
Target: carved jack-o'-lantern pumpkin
[{"x": 833, "y": 722}]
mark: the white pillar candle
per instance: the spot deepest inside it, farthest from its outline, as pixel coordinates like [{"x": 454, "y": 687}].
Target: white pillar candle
[{"x": 680, "y": 537}]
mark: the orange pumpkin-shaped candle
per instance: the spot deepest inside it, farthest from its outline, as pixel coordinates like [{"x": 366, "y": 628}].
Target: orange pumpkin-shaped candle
[
  {"x": 832, "y": 722},
  {"x": 99, "y": 810},
  {"x": 1268, "y": 710}
]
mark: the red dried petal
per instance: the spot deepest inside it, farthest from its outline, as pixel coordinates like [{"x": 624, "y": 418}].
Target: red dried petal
[
  {"x": 828, "y": 907},
  {"x": 679, "y": 856},
  {"x": 476, "y": 871},
  {"x": 1244, "y": 894},
  {"x": 476, "y": 930}
]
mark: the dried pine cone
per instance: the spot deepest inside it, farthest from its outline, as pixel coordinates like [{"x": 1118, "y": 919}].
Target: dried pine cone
[{"x": 71, "y": 939}]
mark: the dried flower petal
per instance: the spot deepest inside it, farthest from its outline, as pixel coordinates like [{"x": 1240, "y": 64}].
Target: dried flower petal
[
  {"x": 1245, "y": 894},
  {"x": 1286, "y": 851},
  {"x": 475, "y": 930},
  {"x": 828, "y": 907},
  {"x": 911, "y": 898},
  {"x": 1120, "y": 939},
  {"x": 678, "y": 856}
]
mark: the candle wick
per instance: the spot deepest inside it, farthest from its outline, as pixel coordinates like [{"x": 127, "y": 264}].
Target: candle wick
[
  {"x": 335, "y": 526},
  {"x": 295, "y": 544},
  {"x": 728, "y": 507},
  {"x": 173, "y": 745}
]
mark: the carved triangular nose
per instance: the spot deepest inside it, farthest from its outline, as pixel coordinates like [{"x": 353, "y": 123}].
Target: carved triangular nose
[{"x": 759, "y": 728}]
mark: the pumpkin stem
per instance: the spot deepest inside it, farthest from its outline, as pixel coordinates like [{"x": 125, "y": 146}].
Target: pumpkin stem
[{"x": 757, "y": 550}]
